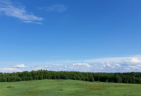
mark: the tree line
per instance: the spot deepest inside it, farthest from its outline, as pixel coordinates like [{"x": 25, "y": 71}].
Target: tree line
[{"x": 130, "y": 77}]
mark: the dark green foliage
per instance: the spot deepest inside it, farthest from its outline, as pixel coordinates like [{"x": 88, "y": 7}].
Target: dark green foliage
[
  {"x": 40, "y": 77},
  {"x": 30, "y": 78},
  {"x": 74, "y": 78},
  {"x": 117, "y": 79},
  {"x": 18, "y": 79},
  {"x": 85, "y": 76},
  {"x": 91, "y": 79}
]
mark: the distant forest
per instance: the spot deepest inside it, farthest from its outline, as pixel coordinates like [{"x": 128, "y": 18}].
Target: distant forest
[{"x": 132, "y": 77}]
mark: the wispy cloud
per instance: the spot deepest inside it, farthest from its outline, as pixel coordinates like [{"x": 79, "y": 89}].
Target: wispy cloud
[
  {"x": 9, "y": 9},
  {"x": 33, "y": 22},
  {"x": 81, "y": 64},
  {"x": 116, "y": 64},
  {"x": 10, "y": 70},
  {"x": 38, "y": 68},
  {"x": 19, "y": 66},
  {"x": 57, "y": 7}
]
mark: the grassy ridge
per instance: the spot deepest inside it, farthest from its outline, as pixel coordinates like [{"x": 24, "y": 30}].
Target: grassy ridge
[{"x": 68, "y": 88}]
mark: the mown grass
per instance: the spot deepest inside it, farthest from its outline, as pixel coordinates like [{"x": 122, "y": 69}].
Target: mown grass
[{"x": 68, "y": 88}]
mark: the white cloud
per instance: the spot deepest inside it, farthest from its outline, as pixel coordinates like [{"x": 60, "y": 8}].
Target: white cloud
[
  {"x": 119, "y": 64},
  {"x": 19, "y": 66},
  {"x": 119, "y": 60},
  {"x": 57, "y": 65},
  {"x": 38, "y": 68},
  {"x": 42, "y": 67},
  {"x": 33, "y": 22},
  {"x": 112, "y": 59},
  {"x": 135, "y": 60},
  {"x": 12, "y": 10},
  {"x": 10, "y": 70},
  {"x": 48, "y": 66},
  {"x": 134, "y": 67},
  {"x": 58, "y": 8},
  {"x": 132, "y": 61},
  {"x": 66, "y": 65},
  {"x": 138, "y": 65},
  {"x": 108, "y": 64},
  {"x": 81, "y": 64}
]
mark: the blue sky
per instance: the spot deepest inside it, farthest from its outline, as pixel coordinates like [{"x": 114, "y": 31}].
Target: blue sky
[{"x": 70, "y": 35}]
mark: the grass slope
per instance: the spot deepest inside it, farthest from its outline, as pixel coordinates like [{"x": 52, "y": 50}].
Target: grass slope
[{"x": 68, "y": 88}]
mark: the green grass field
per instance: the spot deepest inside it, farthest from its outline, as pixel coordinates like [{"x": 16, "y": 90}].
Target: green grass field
[{"x": 68, "y": 88}]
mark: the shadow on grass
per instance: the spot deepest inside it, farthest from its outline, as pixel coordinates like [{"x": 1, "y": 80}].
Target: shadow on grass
[
  {"x": 10, "y": 87},
  {"x": 31, "y": 92}
]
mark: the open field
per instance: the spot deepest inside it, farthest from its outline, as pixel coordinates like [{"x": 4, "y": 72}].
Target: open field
[{"x": 68, "y": 88}]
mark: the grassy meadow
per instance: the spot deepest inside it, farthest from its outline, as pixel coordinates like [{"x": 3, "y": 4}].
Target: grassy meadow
[{"x": 48, "y": 87}]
